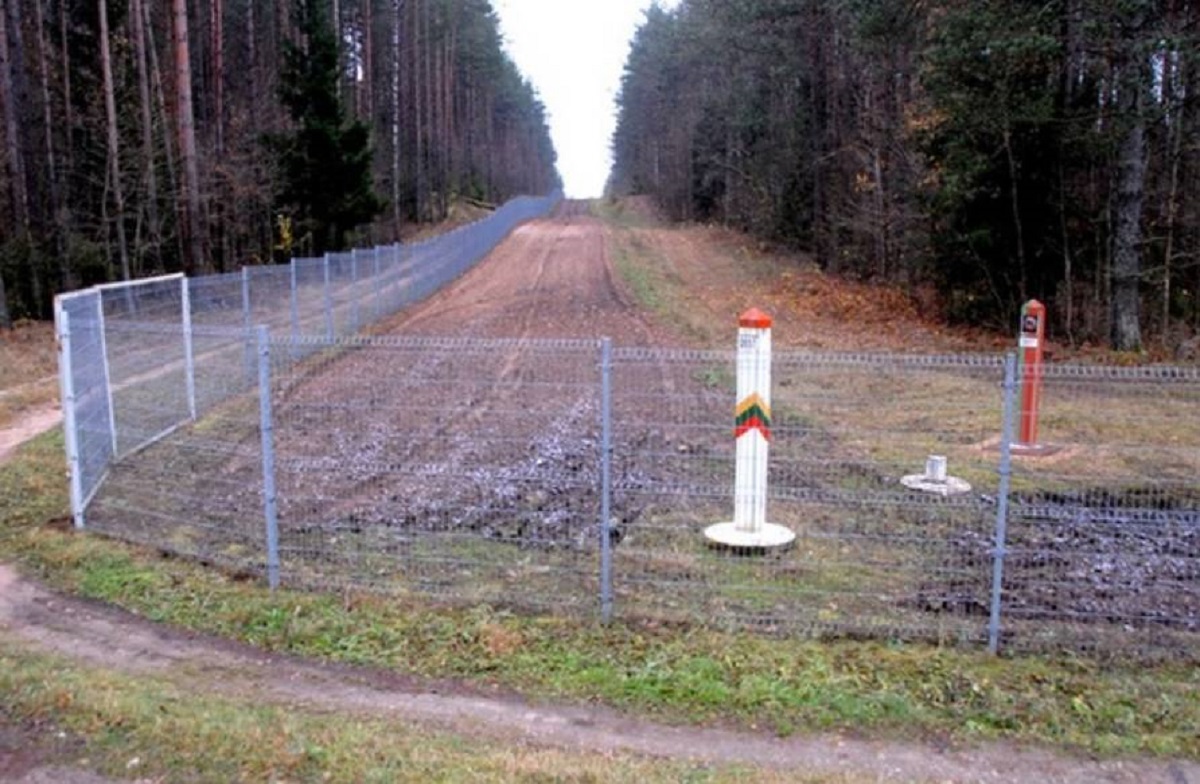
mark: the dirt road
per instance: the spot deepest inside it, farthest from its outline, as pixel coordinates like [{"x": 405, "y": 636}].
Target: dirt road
[{"x": 552, "y": 278}]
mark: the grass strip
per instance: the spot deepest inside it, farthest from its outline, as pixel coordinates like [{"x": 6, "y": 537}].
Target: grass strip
[
  {"x": 152, "y": 728},
  {"x": 685, "y": 675}
]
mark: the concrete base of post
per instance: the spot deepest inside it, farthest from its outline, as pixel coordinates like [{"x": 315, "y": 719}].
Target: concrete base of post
[
  {"x": 935, "y": 480},
  {"x": 951, "y": 485},
  {"x": 732, "y": 536}
]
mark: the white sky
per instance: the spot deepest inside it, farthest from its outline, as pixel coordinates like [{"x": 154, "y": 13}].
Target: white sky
[{"x": 574, "y": 51}]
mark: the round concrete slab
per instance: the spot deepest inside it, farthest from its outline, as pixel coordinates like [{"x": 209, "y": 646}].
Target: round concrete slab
[{"x": 769, "y": 537}]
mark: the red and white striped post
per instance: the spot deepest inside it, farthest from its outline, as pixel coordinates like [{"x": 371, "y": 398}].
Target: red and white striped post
[
  {"x": 1031, "y": 342},
  {"x": 752, "y": 429}
]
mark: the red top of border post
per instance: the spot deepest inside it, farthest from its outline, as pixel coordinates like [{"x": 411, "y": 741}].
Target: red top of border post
[{"x": 754, "y": 319}]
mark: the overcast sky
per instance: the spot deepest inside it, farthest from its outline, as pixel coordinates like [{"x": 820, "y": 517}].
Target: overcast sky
[{"x": 574, "y": 51}]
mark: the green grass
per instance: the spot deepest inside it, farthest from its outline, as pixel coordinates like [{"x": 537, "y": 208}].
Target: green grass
[
  {"x": 153, "y": 727},
  {"x": 682, "y": 674}
]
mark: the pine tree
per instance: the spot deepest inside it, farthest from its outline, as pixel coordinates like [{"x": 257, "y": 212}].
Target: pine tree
[{"x": 325, "y": 163}]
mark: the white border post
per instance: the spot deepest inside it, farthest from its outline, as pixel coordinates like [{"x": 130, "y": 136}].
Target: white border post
[
  {"x": 189, "y": 354},
  {"x": 66, "y": 384},
  {"x": 101, "y": 329},
  {"x": 752, "y": 421}
]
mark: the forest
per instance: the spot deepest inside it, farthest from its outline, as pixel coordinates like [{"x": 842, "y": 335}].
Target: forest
[
  {"x": 150, "y": 136},
  {"x": 983, "y": 151}
]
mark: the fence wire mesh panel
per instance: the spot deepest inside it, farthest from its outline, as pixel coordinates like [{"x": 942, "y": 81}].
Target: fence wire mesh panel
[
  {"x": 197, "y": 491},
  {"x": 462, "y": 470},
  {"x": 159, "y": 352},
  {"x": 146, "y": 352},
  {"x": 87, "y": 407},
  {"x": 871, "y": 556},
  {"x": 1104, "y": 523}
]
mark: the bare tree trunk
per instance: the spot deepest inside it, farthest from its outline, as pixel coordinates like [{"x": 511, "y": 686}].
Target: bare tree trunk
[
  {"x": 64, "y": 51},
  {"x": 1127, "y": 251},
  {"x": 187, "y": 141},
  {"x": 57, "y": 204},
  {"x": 337, "y": 37},
  {"x": 114, "y": 150},
  {"x": 143, "y": 76},
  {"x": 419, "y": 107},
  {"x": 218, "y": 77},
  {"x": 5, "y": 317},
  {"x": 1014, "y": 193},
  {"x": 168, "y": 150},
  {"x": 1175, "y": 156},
  {"x": 12, "y": 151},
  {"x": 18, "y": 186},
  {"x": 368, "y": 82},
  {"x": 397, "y": 14}
]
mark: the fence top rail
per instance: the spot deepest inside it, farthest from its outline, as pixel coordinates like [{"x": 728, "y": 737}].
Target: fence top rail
[
  {"x": 1156, "y": 373},
  {"x": 123, "y": 284},
  {"x": 828, "y": 358},
  {"x": 61, "y": 300},
  {"x": 431, "y": 342}
]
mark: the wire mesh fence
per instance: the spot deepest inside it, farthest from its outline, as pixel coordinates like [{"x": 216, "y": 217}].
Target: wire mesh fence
[
  {"x": 1104, "y": 524},
  {"x": 578, "y": 478},
  {"x": 474, "y": 471}
]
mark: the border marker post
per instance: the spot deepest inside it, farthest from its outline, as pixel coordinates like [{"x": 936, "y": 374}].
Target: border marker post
[
  {"x": 749, "y": 530},
  {"x": 1031, "y": 342}
]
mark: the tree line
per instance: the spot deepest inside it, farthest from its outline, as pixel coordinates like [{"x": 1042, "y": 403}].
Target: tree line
[
  {"x": 999, "y": 150},
  {"x": 143, "y": 137}
]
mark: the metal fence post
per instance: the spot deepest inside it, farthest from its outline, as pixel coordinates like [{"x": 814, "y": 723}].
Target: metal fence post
[
  {"x": 248, "y": 325},
  {"x": 355, "y": 296},
  {"x": 106, "y": 376},
  {"x": 328, "y": 302},
  {"x": 294, "y": 304},
  {"x": 377, "y": 286},
  {"x": 266, "y": 427},
  {"x": 189, "y": 355},
  {"x": 606, "y": 586},
  {"x": 999, "y": 550},
  {"x": 66, "y": 382}
]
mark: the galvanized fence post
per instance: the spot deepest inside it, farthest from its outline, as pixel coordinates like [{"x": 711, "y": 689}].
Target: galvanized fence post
[
  {"x": 377, "y": 286},
  {"x": 999, "y": 550},
  {"x": 266, "y": 427},
  {"x": 355, "y": 297},
  {"x": 328, "y": 302},
  {"x": 66, "y": 382},
  {"x": 189, "y": 354},
  {"x": 606, "y": 554},
  {"x": 101, "y": 329},
  {"x": 248, "y": 325},
  {"x": 294, "y": 305}
]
